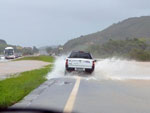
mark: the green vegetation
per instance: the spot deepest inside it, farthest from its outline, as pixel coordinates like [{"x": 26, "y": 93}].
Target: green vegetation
[
  {"x": 18, "y": 49},
  {"x": 3, "y": 45},
  {"x": 130, "y": 48},
  {"x": 57, "y": 50},
  {"x": 136, "y": 27},
  {"x": 40, "y": 58},
  {"x": 14, "y": 89},
  {"x": 140, "y": 55}
]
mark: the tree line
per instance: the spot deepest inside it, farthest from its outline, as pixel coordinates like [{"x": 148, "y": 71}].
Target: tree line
[
  {"x": 130, "y": 48},
  {"x": 18, "y": 49}
]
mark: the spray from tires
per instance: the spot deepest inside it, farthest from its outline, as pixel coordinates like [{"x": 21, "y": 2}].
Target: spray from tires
[{"x": 107, "y": 69}]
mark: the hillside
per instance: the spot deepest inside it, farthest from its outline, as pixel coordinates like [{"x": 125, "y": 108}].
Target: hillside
[
  {"x": 3, "y": 42},
  {"x": 138, "y": 27}
]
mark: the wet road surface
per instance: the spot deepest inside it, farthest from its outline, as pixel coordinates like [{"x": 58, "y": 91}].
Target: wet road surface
[{"x": 91, "y": 96}]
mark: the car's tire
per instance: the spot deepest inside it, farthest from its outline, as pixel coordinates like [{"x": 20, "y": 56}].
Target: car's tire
[
  {"x": 66, "y": 72},
  {"x": 89, "y": 71}
]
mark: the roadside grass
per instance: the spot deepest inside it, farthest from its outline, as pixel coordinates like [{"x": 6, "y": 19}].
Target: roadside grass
[
  {"x": 15, "y": 89},
  {"x": 40, "y": 58}
]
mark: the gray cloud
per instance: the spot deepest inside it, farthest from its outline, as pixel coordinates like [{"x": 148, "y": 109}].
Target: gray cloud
[{"x": 52, "y": 22}]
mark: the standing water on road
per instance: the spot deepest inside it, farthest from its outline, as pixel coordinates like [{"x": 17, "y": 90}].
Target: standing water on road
[
  {"x": 116, "y": 69},
  {"x": 113, "y": 69}
]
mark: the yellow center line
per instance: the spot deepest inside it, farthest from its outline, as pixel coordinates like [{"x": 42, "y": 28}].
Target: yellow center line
[{"x": 70, "y": 103}]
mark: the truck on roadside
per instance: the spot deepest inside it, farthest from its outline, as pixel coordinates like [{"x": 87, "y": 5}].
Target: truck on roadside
[{"x": 81, "y": 62}]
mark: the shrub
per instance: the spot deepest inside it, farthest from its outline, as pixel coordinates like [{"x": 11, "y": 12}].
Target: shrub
[{"x": 141, "y": 55}]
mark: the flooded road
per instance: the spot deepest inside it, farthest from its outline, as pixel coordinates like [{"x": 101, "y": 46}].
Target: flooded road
[
  {"x": 116, "y": 86},
  {"x": 109, "y": 69}
]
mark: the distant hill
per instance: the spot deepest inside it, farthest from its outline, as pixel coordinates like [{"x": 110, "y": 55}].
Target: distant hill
[
  {"x": 3, "y": 42},
  {"x": 137, "y": 27}
]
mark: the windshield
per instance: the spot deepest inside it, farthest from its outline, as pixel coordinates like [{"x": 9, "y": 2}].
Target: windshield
[
  {"x": 84, "y": 56},
  {"x": 9, "y": 52},
  {"x": 80, "y": 55}
]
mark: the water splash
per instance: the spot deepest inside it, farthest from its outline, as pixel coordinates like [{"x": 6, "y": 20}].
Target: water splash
[
  {"x": 59, "y": 68},
  {"x": 108, "y": 69},
  {"x": 117, "y": 69}
]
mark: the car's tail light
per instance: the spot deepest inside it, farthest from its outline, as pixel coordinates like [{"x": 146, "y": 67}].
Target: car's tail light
[
  {"x": 67, "y": 62},
  {"x": 93, "y": 64}
]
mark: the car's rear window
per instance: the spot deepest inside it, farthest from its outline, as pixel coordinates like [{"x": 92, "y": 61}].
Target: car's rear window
[{"x": 80, "y": 55}]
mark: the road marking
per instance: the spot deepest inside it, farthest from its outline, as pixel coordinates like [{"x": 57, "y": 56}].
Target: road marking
[{"x": 70, "y": 103}]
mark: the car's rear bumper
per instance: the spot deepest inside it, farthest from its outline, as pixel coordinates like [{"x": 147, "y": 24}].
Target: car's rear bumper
[
  {"x": 9, "y": 57},
  {"x": 88, "y": 70}
]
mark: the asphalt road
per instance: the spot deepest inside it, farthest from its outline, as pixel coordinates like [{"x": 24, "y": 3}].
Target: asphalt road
[{"x": 91, "y": 96}]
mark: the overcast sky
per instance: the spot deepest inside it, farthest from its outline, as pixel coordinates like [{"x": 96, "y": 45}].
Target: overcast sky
[{"x": 53, "y": 22}]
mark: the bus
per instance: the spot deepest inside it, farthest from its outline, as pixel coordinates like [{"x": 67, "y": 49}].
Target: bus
[{"x": 9, "y": 53}]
